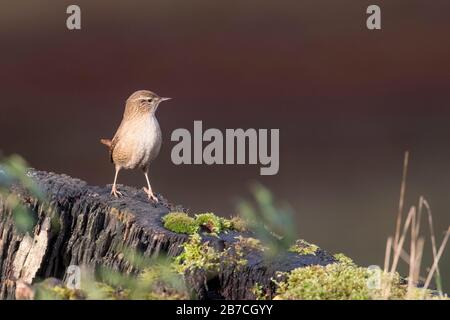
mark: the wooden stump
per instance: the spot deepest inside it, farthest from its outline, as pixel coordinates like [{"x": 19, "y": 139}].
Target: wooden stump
[{"x": 85, "y": 225}]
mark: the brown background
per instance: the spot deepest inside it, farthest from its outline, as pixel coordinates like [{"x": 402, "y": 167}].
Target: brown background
[{"x": 348, "y": 101}]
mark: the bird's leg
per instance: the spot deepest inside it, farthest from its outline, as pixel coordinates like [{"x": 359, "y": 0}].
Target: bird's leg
[
  {"x": 114, "y": 188},
  {"x": 149, "y": 191}
]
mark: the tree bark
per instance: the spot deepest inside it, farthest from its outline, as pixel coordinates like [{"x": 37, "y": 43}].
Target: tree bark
[{"x": 84, "y": 225}]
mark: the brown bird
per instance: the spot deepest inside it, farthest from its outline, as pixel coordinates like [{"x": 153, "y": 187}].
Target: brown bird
[{"x": 138, "y": 140}]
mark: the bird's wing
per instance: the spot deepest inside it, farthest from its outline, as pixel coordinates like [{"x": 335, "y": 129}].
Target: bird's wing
[{"x": 114, "y": 142}]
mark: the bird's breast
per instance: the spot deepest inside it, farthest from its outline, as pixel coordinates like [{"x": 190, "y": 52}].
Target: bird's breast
[{"x": 143, "y": 140}]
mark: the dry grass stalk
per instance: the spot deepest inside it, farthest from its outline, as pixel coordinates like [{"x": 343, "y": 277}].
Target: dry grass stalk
[
  {"x": 401, "y": 199},
  {"x": 436, "y": 260},
  {"x": 412, "y": 225},
  {"x": 387, "y": 254}
]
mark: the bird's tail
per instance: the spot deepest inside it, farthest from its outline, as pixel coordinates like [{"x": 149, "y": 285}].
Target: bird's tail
[{"x": 106, "y": 142}]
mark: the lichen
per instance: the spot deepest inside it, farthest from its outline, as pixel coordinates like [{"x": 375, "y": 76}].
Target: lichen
[
  {"x": 180, "y": 222},
  {"x": 304, "y": 248}
]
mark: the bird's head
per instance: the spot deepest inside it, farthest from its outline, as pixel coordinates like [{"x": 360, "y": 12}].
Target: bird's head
[{"x": 145, "y": 101}]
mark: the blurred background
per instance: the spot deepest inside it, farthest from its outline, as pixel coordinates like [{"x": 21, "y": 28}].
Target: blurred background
[{"x": 348, "y": 102}]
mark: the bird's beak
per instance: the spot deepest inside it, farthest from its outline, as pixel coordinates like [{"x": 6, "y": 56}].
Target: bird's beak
[{"x": 165, "y": 99}]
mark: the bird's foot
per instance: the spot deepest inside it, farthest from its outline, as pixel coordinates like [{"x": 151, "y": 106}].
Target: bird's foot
[
  {"x": 150, "y": 194},
  {"x": 115, "y": 192}
]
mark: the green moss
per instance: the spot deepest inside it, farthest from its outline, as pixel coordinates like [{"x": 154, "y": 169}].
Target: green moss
[
  {"x": 342, "y": 281},
  {"x": 166, "y": 295},
  {"x": 259, "y": 292},
  {"x": 108, "y": 292},
  {"x": 238, "y": 224},
  {"x": 343, "y": 259},
  {"x": 211, "y": 222},
  {"x": 304, "y": 248},
  {"x": 160, "y": 283},
  {"x": 215, "y": 224},
  {"x": 157, "y": 281},
  {"x": 197, "y": 255},
  {"x": 422, "y": 294},
  {"x": 249, "y": 243},
  {"x": 200, "y": 255},
  {"x": 332, "y": 282},
  {"x": 180, "y": 222},
  {"x": 45, "y": 292},
  {"x": 66, "y": 293},
  {"x": 235, "y": 255}
]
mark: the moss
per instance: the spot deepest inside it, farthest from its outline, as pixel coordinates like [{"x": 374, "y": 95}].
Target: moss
[
  {"x": 108, "y": 292},
  {"x": 238, "y": 224},
  {"x": 332, "y": 282},
  {"x": 235, "y": 255},
  {"x": 180, "y": 222},
  {"x": 342, "y": 281},
  {"x": 211, "y": 222},
  {"x": 160, "y": 283},
  {"x": 60, "y": 292},
  {"x": 166, "y": 295},
  {"x": 304, "y": 248},
  {"x": 156, "y": 282},
  {"x": 250, "y": 243},
  {"x": 259, "y": 292},
  {"x": 66, "y": 293},
  {"x": 422, "y": 294},
  {"x": 197, "y": 255},
  {"x": 343, "y": 259},
  {"x": 215, "y": 224},
  {"x": 200, "y": 255}
]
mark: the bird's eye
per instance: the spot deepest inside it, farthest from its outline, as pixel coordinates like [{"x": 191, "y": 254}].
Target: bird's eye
[{"x": 149, "y": 99}]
